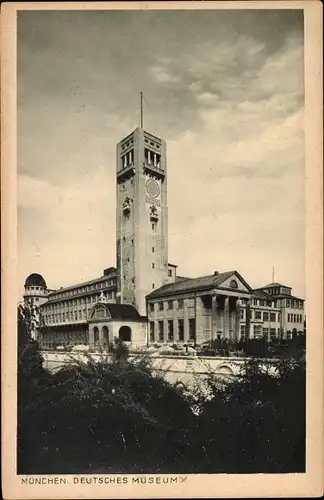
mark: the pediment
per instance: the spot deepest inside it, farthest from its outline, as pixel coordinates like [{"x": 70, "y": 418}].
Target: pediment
[{"x": 235, "y": 282}]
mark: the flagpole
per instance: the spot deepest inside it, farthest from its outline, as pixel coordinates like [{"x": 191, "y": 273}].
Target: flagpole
[{"x": 141, "y": 109}]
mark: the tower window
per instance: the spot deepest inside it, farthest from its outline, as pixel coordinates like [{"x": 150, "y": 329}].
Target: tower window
[
  {"x": 153, "y": 265},
  {"x": 124, "y": 239},
  {"x": 128, "y": 259},
  {"x": 170, "y": 272},
  {"x": 153, "y": 249},
  {"x": 153, "y": 226},
  {"x": 132, "y": 242},
  {"x": 153, "y": 285}
]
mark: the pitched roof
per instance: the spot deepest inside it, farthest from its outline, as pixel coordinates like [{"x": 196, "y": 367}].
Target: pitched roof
[
  {"x": 124, "y": 312},
  {"x": 286, "y": 296},
  {"x": 54, "y": 294},
  {"x": 260, "y": 294},
  {"x": 181, "y": 278},
  {"x": 270, "y": 285},
  {"x": 195, "y": 284}
]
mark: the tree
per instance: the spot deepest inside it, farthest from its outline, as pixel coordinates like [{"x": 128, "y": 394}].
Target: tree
[
  {"x": 110, "y": 416},
  {"x": 31, "y": 381},
  {"x": 256, "y": 423}
]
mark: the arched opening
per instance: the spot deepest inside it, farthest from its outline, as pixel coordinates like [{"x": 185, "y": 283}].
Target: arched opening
[
  {"x": 225, "y": 370},
  {"x": 105, "y": 334},
  {"x": 125, "y": 333},
  {"x": 95, "y": 332}
]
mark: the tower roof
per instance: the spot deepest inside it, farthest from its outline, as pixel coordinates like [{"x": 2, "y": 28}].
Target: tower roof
[{"x": 35, "y": 279}]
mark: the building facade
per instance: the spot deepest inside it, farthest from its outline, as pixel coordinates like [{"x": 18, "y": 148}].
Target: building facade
[{"x": 142, "y": 300}]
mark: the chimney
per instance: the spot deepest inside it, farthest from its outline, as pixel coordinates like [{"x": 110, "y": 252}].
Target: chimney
[{"x": 216, "y": 273}]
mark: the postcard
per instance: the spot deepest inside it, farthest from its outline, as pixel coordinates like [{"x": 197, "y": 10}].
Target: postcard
[{"x": 162, "y": 202}]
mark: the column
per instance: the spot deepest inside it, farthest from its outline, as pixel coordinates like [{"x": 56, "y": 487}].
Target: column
[
  {"x": 198, "y": 314},
  {"x": 91, "y": 339},
  {"x": 101, "y": 338},
  {"x": 185, "y": 322},
  {"x": 149, "y": 157},
  {"x": 237, "y": 319},
  {"x": 248, "y": 319},
  {"x": 156, "y": 331},
  {"x": 154, "y": 159},
  {"x": 165, "y": 331},
  {"x": 226, "y": 318},
  {"x": 175, "y": 330},
  {"x": 214, "y": 317}
]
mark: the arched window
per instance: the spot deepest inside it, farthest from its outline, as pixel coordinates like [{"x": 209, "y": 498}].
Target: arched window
[
  {"x": 125, "y": 333},
  {"x": 233, "y": 284},
  {"x": 105, "y": 334},
  {"x": 95, "y": 334}
]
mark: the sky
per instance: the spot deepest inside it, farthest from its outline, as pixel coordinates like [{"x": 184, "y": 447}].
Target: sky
[{"x": 225, "y": 89}]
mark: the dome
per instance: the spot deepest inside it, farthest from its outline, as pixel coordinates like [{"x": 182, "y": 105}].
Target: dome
[{"x": 35, "y": 280}]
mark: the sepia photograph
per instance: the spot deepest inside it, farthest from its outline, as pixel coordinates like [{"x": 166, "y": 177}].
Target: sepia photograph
[{"x": 161, "y": 285}]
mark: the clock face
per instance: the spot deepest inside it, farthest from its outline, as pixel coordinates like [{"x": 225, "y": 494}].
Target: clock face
[{"x": 152, "y": 188}]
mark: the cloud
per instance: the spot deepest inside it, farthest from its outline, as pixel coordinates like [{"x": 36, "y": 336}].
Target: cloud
[
  {"x": 224, "y": 89},
  {"x": 68, "y": 222},
  {"x": 161, "y": 74},
  {"x": 207, "y": 98}
]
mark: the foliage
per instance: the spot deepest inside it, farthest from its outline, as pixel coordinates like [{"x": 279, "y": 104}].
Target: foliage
[
  {"x": 119, "y": 351},
  {"x": 259, "y": 348},
  {"x": 32, "y": 379},
  {"x": 256, "y": 423},
  {"x": 114, "y": 415}
]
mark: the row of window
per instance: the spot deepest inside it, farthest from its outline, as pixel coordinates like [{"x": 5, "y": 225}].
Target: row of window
[
  {"x": 83, "y": 289},
  {"x": 154, "y": 144},
  {"x": 68, "y": 316},
  {"x": 294, "y": 304},
  {"x": 166, "y": 306},
  {"x": 273, "y": 291},
  {"x": 65, "y": 336},
  {"x": 264, "y": 315},
  {"x": 170, "y": 334},
  {"x": 295, "y": 318},
  {"x": 259, "y": 332},
  {"x": 83, "y": 300},
  {"x": 265, "y": 303},
  {"x": 278, "y": 290}
]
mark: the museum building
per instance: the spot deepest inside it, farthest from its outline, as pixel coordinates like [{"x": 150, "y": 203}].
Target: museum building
[{"x": 142, "y": 300}]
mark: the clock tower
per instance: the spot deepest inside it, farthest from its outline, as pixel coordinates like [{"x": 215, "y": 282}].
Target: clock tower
[{"x": 141, "y": 218}]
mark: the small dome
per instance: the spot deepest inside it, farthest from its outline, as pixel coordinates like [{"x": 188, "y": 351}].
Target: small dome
[{"x": 35, "y": 280}]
